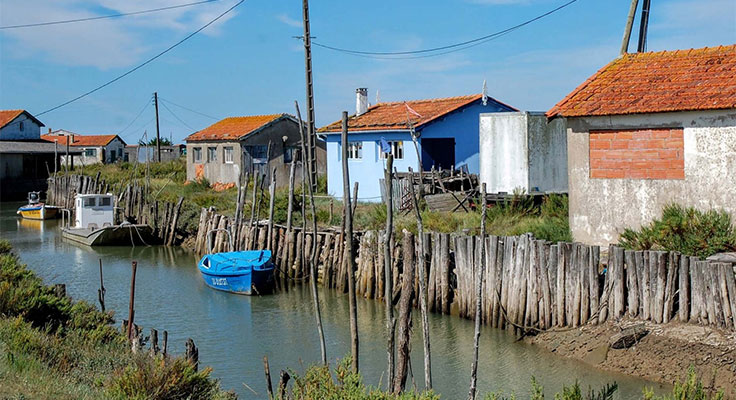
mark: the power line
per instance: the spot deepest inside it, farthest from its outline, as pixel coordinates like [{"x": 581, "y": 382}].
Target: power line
[
  {"x": 188, "y": 109},
  {"x": 148, "y": 103},
  {"x": 139, "y": 66},
  {"x": 451, "y": 47},
  {"x": 69, "y": 21},
  {"x": 176, "y": 116}
]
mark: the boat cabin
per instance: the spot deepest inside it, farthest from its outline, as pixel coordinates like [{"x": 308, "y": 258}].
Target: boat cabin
[{"x": 94, "y": 211}]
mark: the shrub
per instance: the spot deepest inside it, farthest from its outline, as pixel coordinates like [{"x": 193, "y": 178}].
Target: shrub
[
  {"x": 691, "y": 389},
  {"x": 687, "y": 230}
]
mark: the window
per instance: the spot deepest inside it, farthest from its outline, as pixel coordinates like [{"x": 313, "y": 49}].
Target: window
[
  {"x": 397, "y": 149},
  {"x": 211, "y": 154},
  {"x": 89, "y": 201},
  {"x": 105, "y": 201},
  {"x": 90, "y": 152},
  {"x": 355, "y": 150},
  {"x": 197, "y": 154},
  {"x": 258, "y": 153},
  {"x": 228, "y": 154},
  {"x": 21, "y": 126},
  {"x": 291, "y": 153}
]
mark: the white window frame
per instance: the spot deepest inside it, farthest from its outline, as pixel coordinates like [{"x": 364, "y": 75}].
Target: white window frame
[
  {"x": 227, "y": 154},
  {"x": 211, "y": 154},
  {"x": 197, "y": 155},
  {"x": 355, "y": 150},
  {"x": 90, "y": 150},
  {"x": 397, "y": 149}
]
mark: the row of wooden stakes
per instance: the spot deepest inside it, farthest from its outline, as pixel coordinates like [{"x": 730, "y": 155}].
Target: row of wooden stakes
[{"x": 528, "y": 284}]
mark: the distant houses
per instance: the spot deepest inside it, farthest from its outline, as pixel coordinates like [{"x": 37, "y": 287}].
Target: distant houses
[
  {"x": 142, "y": 154},
  {"x": 446, "y": 130},
  {"x": 94, "y": 149},
  {"x": 218, "y": 152},
  {"x": 646, "y": 130}
]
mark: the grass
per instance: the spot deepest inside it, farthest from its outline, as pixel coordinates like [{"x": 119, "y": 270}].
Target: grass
[
  {"x": 687, "y": 230},
  {"x": 518, "y": 215},
  {"x": 53, "y": 347}
]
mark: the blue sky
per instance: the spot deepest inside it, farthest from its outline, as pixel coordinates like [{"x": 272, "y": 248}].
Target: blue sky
[{"x": 248, "y": 63}]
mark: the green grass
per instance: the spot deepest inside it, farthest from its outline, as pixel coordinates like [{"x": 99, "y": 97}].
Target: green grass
[
  {"x": 687, "y": 230},
  {"x": 53, "y": 347}
]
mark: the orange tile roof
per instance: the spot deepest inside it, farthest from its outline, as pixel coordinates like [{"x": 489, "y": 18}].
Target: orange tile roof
[
  {"x": 81, "y": 140},
  {"x": 394, "y": 115},
  {"x": 682, "y": 80},
  {"x": 7, "y": 116},
  {"x": 233, "y": 128}
]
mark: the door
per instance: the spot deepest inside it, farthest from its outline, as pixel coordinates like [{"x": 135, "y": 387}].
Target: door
[{"x": 438, "y": 152}]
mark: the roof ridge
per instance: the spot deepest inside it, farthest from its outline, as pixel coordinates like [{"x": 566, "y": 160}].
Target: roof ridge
[{"x": 426, "y": 100}]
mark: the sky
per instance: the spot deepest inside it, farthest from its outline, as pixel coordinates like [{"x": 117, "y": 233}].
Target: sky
[{"x": 249, "y": 62}]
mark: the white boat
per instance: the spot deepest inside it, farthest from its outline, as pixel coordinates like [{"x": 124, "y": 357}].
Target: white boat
[{"x": 94, "y": 224}]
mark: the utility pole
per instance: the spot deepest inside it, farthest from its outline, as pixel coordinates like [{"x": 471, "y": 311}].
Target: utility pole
[
  {"x": 158, "y": 138},
  {"x": 311, "y": 139},
  {"x": 644, "y": 26},
  {"x": 629, "y": 25}
]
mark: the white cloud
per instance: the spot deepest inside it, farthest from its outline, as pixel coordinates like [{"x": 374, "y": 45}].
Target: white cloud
[
  {"x": 104, "y": 43},
  {"x": 289, "y": 21}
]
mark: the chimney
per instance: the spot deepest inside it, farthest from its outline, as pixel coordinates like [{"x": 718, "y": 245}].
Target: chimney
[
  {"x": 49, "y": 130},
  {"x": 361, "y": 101}
]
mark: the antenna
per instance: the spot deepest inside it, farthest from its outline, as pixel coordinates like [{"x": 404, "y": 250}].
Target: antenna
[
  {"x": 484, "y": 91},
  {"x": 378, "y": 96}
]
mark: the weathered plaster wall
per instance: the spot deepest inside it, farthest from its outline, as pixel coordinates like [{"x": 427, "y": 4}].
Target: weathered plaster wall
[
  {"x": 12, "y": 131},
  {"x": 217, "y": 171},
  {"x": 600, "y": 209},
  {"x": 521, "y": 150}
]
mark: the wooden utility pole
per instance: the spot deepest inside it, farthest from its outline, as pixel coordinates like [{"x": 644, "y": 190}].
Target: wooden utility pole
[
  {"x": 629, "y": 26},
  {"x": 348, "y": 215},
  {"x": 421, "y": 266},
  {"x": 479, "y": 296},
  {"x": 313, "y": 260},
  {"x": 387, "y": 284},
  {"x": 158, "y": 137},
  {"x": 131, "y": 302},
  {"x": 644, "y": 26},
  {"x": 311, "y": 139}
]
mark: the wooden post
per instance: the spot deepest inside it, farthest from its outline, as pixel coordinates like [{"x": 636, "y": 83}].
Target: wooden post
[
  {"x": 165, "y": 344},
  {"x": 267, "y": 371},
  {"x": 101, "y": 290},
  {"x": 192, "y": 353},
  {"x": 154, "y": 342},
  {"x": 479, "y": 295},
  {"x": 629, "y": 25},
  {"x": 290, "y": 207},
  {"x": 271, "y": 201},
  {"x": 421, "y": 265},
  {"x": 283, "y": 381},
  {"x": 131, "y": 301},
  {"x": 348, "y": 242},
  {"x": 390, "y": 321},
  {"x": 405, "y": 308}
]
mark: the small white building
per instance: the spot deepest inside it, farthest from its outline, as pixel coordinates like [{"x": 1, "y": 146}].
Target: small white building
[
  {"x": 95, "y": 149},
  {"x": 522, "y": 151}
]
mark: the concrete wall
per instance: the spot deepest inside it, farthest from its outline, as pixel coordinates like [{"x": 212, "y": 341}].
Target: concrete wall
[
  {"x": 221, "y": 172},
  {"x": 600, "y": 209},
  {"x": 12, "y": 131},
  {"x": 520, "y": 150}
]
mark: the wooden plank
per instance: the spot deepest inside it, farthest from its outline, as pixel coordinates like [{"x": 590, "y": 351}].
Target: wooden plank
[
  {"x": 731, "y": 286},
  {"x": 673, "y": 265},
  {"x": 584, "y": 284},
  {"x": 684, "y": 289},
  {"x": 721, "y": 272}
]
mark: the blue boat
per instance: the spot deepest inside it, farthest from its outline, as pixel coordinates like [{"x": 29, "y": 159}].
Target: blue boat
[{"x": 242, "y": 272}]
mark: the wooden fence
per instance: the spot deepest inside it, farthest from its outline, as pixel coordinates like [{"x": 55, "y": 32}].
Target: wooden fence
[
  {"x": 528, "y": 284},
  {"x": 131, "y": 203}
]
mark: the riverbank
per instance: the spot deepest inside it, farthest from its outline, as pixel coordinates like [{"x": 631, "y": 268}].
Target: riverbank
[
  {"x": 54, "y": 347},
  {"x": 664, "y": 355}
]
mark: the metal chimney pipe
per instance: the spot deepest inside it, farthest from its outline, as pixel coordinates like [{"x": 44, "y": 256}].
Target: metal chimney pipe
[{"x": 361, "y": 101}]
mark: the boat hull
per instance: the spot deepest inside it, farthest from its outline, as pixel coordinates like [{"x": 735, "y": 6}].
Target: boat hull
[
  {"x": 121, "y": 235},
  {"x": 255, "y": 282},
  {"x": 38, "y": 212}
]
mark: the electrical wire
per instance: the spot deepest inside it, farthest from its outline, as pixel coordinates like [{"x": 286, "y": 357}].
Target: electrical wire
[
  {"x": 188, "y": 109},
  {"x": 450, "y": 48},
  {"x": 148, "y": 103},
  {"x": 69, "y": 21},
  {"x": 139, "y": 66},
  {"x": 176, "y": 116}
]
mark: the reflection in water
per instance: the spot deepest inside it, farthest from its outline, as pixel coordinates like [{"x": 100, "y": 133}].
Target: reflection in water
[{"x": 234, "y": 332}]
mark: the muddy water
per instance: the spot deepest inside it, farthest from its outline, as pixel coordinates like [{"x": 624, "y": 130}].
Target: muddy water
[{"x": 234, "y": 332}]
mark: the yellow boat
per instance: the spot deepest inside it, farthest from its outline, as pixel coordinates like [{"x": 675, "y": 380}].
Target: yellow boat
[{"x": 36, "y": 210}]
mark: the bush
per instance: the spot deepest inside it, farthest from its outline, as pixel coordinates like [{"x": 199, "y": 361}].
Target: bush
[
  {"x": 691, "y": 389},
  {"x": 687, "y": 230}
]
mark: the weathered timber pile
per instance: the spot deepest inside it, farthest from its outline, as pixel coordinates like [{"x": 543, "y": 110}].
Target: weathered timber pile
[
  {"x": 131, "y": 203},
  {"x": 528, "y": 285}
]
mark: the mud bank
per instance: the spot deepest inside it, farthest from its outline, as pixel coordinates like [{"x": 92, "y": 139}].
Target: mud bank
[{"x": 663, "y": 355}]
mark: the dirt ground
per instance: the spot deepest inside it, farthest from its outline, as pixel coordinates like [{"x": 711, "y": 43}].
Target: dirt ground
[{"x": 663, "y": 355}]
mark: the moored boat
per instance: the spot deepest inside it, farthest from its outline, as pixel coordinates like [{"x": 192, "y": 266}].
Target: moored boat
[
  {"x": 243, "y": 272},
  {"x": 37, "y": 210}
]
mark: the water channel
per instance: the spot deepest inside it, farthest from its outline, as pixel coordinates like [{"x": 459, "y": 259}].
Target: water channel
[{"x": 234, "y": 332}]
